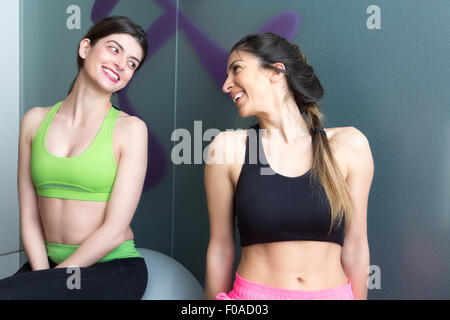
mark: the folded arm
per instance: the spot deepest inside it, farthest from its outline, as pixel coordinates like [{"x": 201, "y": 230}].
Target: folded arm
[{"x": 123, "y": 200}]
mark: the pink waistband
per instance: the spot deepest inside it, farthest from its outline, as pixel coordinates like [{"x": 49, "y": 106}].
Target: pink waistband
[{"x": 248, "y": 290}]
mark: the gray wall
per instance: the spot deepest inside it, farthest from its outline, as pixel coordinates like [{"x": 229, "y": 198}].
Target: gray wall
[{"x": 390, "y": 83}]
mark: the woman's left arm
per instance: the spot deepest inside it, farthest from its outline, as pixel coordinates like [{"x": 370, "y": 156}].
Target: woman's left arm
[
  {"x": 123, "y": 200},
  {"x": 355, "y": 256}
]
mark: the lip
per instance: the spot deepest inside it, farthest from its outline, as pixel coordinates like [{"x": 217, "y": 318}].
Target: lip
[
  {"x": 234, "y": 94},
  {"x": 109, "y": 76}
]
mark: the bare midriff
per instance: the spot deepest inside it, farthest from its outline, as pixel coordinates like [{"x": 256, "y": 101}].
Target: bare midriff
[
  {"x": 70, "y": 222},
  {"x": 294, "y": 265}
]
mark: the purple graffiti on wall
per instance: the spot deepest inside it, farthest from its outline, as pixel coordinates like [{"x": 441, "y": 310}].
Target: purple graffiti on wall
[{"x": 212, "y": 56}]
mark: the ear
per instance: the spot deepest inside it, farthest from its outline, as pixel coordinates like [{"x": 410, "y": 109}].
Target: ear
[
  {"x": 277, "y": 75},
  {"x": 85, "y": 47}
]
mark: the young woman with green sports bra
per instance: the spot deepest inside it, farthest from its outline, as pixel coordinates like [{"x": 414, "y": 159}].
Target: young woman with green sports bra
[{"x": 81, "y": 170}]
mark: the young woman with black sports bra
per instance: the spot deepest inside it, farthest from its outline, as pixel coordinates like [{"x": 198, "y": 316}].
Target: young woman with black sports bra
[
  {"x": 299, "y": 191},
  {"x": 81, "y": 170}
]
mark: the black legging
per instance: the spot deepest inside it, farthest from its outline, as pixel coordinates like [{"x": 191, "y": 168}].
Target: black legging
[{"x": 122, "y": 279}]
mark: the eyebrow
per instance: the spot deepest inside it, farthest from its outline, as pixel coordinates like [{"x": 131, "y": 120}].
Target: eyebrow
[{"x": 121, "y": 48}]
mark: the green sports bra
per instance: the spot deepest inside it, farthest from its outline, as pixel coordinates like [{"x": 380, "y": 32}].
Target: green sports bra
[{"x": 89, "y": 176}]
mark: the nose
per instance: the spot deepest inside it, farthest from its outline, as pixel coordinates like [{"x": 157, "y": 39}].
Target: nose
[
  {"x": 228, "y": 84},
  {"x": 120, "y": 62},
  {"x": 118, "y": 66}
]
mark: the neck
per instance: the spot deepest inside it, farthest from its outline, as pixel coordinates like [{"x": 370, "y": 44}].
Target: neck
[
  {"x": 85, "y": 102},
  {"x": 286, "y": 119}
]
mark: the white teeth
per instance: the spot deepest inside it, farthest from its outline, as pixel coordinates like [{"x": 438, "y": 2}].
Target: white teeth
[
  {"x": 237, "y": 96},
  {"x": 112, "y": 74}
]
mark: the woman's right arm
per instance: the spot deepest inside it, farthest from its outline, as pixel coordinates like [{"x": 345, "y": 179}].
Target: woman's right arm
[
  {"x": 30, "y": 222},
  {"x": 221, "y": 249}
]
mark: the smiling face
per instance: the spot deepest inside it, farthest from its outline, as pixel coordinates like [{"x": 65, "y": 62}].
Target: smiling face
[
  {"x": 247, "y": 83},
  {"x": 111, "y": 62}
]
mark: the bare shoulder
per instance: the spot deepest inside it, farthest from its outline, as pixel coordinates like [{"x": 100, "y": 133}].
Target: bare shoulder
[
  {"x": 32, "y": 119},
  {"x": 351, "y": 146},
  {"x": 130, "y": 134},
  {"x": 229, "y": 138},
  {"x": 35, "y": 114},
  {"x": 130, "y": 127},
  {"x": 228, "y": 147},
  {"x": 349, "y": 138},
  {"x": 226, "y": 153}
]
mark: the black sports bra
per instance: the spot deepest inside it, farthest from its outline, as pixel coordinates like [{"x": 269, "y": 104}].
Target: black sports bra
[{"x": 271, "y": 208}]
